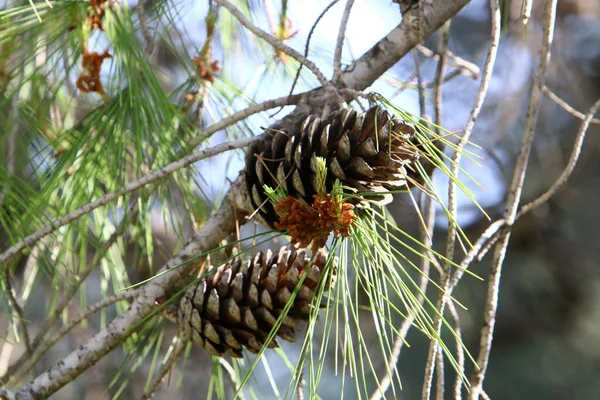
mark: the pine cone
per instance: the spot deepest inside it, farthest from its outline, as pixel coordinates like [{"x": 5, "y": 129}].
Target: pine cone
[
  {"x": 367, "y": 152},
  {"x": 238, "y": 303}
]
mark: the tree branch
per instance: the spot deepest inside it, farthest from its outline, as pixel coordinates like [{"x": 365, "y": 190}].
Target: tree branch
[
  {"x": 388, "y": 51},
  {"x": 15, "y": 249},
  {"x": 514, "y": 197},
  {"x": 121, "y": 327}
]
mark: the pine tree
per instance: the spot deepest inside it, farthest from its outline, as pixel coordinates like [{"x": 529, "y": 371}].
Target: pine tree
[{"x": 107, "y": 110}]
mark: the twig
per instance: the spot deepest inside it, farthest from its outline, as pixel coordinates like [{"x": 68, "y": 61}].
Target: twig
[
  {"x": 300, "y": 388},
  {"x": 571, "y": 163},
  {"x": 108, "y": 301},
  {"x": 242, "y": 114},
  {"x": 566, "y": 105},
  {"x": 439, "y": 374},
  {"x": 396, "y": 44},
  {"x": 180, "y": 346},
  {"x": 307, "y": 47},
  {"x": 437, "y": 93},
  {"x": 489, "y": 233},
  {"x": 407, "y": 323},
  {"x": 278, "y": 45},
  {"x": 15, "y": 249},
  {"x": 144, "y": 28},
  {"x": 489, "y": 237},
  {"x": 460, "y": 352},
  {"x": 514, "y": 196},
  {"x": 485, "y": 79},
  {"x": 463, "y": 66},
  {"x": 452, "y": 203},
  {"x": 337, "y": 55},
  {"x": 422, "y": 104},
  {"x": 232, "y": 377},
  {"x": 45, "y": 329},
  {"x": 439, "y": 72},
  {"x": 17, "y": 310}
]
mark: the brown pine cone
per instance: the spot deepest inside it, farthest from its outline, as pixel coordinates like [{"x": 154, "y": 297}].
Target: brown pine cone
[
  {"x": 369, "y": 152},
  {"x": 237, "y": 304}
]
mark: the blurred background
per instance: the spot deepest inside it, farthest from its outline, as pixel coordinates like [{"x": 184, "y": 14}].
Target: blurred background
[{"x": 547, "y": 335}]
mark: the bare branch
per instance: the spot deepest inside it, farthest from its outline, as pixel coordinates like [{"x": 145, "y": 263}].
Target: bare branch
[
  {"x": 108, "y": 301},
  {"x": 491, "y": 234},
  {"x": 243, "y": 114},
  {"x": 439, "y": 374},
  {"x": 444, "y": 274},
  {"x": 439, "y": 72},
  {"x": 464, "y": 67},
  {"x": 566, "y": 105},
  {"x": 277, "y": 44},
  {"x": 232, "y": 377},
  {"x": 460, "y": 351},
  {"x": 144, "y": 28},
  {"x": 571, "y": 163},
  {"x": 452, "y": 203},
  {"x": 337, "y": 56},
  {"x": 396, "y": 44},
  {"x": 526, "y": 10},
  {"x": 514, "y": 196}
]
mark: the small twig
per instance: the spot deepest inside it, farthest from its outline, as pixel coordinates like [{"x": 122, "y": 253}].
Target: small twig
[
  {"x": 300, "y": 388},
  {"x": 144, "y": 28},
  {"x": 489, "y": 237},
  {"x": 573, "y": 158},
  {"x": 489, "y": 233},
  {"x": 15, "y": 249},
  {"x": 243, "y": 114},
  {"x": 232, "y": 377},
  {"x": 452, "y": 203},
  {"x": 17, "y": 310},
  {"x": 514, "y": 196},
  {"x": 422, "y": 104},
  {"x": 108, "y": 301},
  {"x": 180, "y": 346},
  {"x": 460, "y": 352},
  {"x": 437, "y": 93},
  {"x": 485, "y": 79},
  {"x": 566, "y": 105},
  {"x": 45, "y": 329},
  {"x": 306, "y": 48},
  {"x": 462, "y": 66},
  {"x": 439, "y": 72},
  {"x": 278, "y": 45},
  {"x": 337, "y": 55},
  {"x": 407, "y": 323},
  {"x": 439, "y": 374}
]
